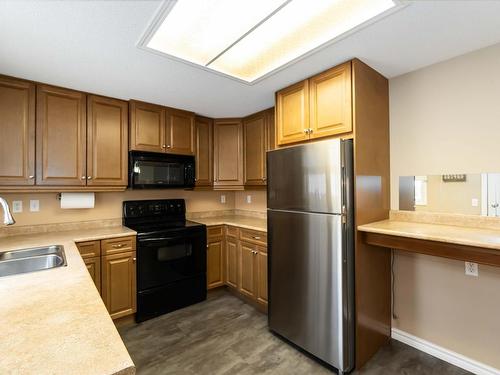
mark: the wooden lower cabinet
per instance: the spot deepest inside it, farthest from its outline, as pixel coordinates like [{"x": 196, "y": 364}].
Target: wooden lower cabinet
[
  {"x": 215, "y": 264},
  {"x": 118, "y": 283},
  {"x": 94, "y": 268},
  {"x": 244, "y": 266},
  {"x": 112, "y": 265},
  {"x": 232, "y": 265}
]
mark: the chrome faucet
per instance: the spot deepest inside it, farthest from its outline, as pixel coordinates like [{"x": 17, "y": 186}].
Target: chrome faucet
[{"x": 7, "y": 216}]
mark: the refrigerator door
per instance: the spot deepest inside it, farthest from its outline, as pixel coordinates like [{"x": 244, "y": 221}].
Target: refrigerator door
[
  {"x": 308, "y": 304},
  {"x": 306, "y": 177}
]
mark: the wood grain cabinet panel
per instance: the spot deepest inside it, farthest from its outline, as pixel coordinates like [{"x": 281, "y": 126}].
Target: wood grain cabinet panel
[
  {"x": 330, "y": 102},
  {"x": 118, "y": 245},
  {"x": 255, "y": 144},
  {"x": 17, "y": 129},
  {"x": 228, "y": 153},
  {"x": 147, "y": 127},
  {"x": 204, "y": 151},
  {"x": 215, "y": 264},
  {"x": 232, "y": 264},
  {"x": 60, "y": 137},
  {"x": 180, "y": 132},
  {"x": 89, "y": 249},
  {"x": 107, "y": 141},
  {"x": 261, "y": 276},
  {"x": 247, "y": 269},
  {"x": 292, "y": 113},
  {"x": 94, "y": 268},
  {"x": 119, "y": 283}
]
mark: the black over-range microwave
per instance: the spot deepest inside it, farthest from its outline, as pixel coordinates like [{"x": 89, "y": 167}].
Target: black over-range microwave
[{"x": 150, "y": 170}]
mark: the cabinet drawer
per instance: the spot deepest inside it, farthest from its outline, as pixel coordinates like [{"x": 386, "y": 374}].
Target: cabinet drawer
[
  {"x": 232, "y": 231},
  {"x": 215, "y": 233},
  {"x": 118, "y": 245},
  {"x": 89, "y": 249},
  {"x": 253, "y": 236}
]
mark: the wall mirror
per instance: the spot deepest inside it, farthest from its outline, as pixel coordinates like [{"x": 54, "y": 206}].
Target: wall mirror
[{"x": 470, "y": 194}]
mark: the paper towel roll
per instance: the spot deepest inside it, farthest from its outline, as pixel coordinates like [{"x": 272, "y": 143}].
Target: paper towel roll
[{"x": 77, "y": 200}]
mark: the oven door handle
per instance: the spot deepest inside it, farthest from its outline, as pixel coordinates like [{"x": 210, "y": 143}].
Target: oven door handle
[{"x": 160, "y": 239}]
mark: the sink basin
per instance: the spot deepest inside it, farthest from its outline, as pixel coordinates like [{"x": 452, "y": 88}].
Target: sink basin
[{"x": 31, "y": 260}]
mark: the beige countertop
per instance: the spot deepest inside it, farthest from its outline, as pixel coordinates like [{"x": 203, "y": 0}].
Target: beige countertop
[
  {"x": 241, "y": 221},
  {"x": 478, "y": 237},
  {"x": 54, "y": 321}
]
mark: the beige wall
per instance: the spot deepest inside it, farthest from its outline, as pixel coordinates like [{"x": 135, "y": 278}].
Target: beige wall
[
  {"x": 258, "y": 197},
  {"x": 109, "y": 205},
  {"x": 446, "y": 119}
]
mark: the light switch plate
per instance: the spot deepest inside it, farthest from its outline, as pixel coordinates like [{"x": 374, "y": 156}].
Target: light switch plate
[
  {"x": 34, "y": 205},
  {"x": 249, "y": 199},
  {"x": 17, "y": 206},
  {"x": 223, "y": 198}
]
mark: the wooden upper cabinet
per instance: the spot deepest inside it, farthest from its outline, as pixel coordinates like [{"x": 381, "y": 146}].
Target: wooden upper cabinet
[
  {"x": 292, "y": 113},
  {"x": 204, "y": 151},
  {"x": 180, "y": 132},
  {"x": 17, "y": 129},
  {"x": 255, "y": 145},
  {"x": 330, "y": 102},
  {"x": 60, "y": 137},
  {"x": 147, "y": 127},
  {"x": 107, "y": 141},
  {"x": 228, "y": 153}
]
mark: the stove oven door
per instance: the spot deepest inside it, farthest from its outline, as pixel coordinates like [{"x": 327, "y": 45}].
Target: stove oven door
[{"x": 171, "y": 272}]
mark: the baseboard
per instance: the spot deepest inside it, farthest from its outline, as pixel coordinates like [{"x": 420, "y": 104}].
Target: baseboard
[{"x": 447, "y": 355}]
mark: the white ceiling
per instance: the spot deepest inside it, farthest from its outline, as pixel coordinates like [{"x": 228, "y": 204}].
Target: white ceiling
[{"x": 91, "y": 46}]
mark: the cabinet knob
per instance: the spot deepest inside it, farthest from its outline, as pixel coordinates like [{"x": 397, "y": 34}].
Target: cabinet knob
[
  {"x": 117, "y": 246},
  {"x": 306, "y": 131},
  {"x": 31, "y": 177},
  {"x": 83, "y": 177},
  {"x": 134, "y": 259},
  {"x": 310, "y": 130},
  {"x": 163, "y": 146},
  {"x": 168, "y": 146},
  {"x": 89, "y": 177},
  {"x": 256, "y": 237}
]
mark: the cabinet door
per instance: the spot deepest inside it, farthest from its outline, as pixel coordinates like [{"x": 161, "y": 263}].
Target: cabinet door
[
  {"x": 180, "y": 132},
  {"x": 107, "y": 141},
  {"x": 118, "y": 283},
  {"x": 17, "y": 129},
  {"x": 94, "y": 268},
  {"x": 204, "y": 151},
  {"x": 232, "y": 262},
  {"x": 255, "y": 142},
  {"x": 330, "y": 102},
  {"x": 215, "y": 267},
  {"x": 247, "y": 269},
  {"x": 228, "y": 153},
  {"x": 147, "y": 127},
  {"x": 60, "y": 137},
  {"x": 270, "y": 129},
  {"x": 292, "y": 113},
  {"x": 261, "y": 275}
]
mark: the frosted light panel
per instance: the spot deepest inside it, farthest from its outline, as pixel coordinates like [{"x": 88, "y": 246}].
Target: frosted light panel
[{"x": 205, "y": 32}]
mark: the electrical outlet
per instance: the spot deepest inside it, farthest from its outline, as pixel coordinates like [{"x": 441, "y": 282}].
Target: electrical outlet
[
  {"x": 223, "y": 198},
  {"x": 475, "y": 202},
  {"x": 471, "y": 269},
  {"x": 34, "y": 205},
  {"x": 17, "y": 206},
  {"x": 249, "y": 199}
]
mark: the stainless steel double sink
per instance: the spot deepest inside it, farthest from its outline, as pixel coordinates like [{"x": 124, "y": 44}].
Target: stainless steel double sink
[{"x": 30, "y": 260}]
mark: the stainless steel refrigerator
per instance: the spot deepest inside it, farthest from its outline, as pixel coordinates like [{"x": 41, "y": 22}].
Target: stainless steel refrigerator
[{"x": 311, "y": 249}]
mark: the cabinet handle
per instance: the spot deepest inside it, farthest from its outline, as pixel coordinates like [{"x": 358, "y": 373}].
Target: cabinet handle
[
  {"x": 163, "y": 146},
  {"x": 118, "y": 246},
  {"x": 306, "y": 131},
  {"x": 134, "y": 259},
  {"x": 89, "y": 177},
  {"x": 168, "y": 146},
  {"x": 31, "y": 177},
  {"x": 83, "y": 177},
  {"x": 310, "y": 131},
  {"x": 256, "y": 237}
]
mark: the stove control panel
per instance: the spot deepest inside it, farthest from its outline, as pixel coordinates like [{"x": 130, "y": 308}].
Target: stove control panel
[{"x": 160, "y": 207}]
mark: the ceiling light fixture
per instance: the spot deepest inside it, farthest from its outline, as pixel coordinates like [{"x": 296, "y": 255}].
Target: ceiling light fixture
[{"x": 249, "y": 39}]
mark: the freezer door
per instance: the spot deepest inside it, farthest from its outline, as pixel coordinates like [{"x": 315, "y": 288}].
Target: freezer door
[
  {"x": 306, "y": 177},
  {"x": 308, "y": 302}
]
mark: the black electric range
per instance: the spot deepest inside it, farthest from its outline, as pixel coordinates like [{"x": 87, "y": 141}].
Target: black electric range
[{"x": 171, "y": 256}]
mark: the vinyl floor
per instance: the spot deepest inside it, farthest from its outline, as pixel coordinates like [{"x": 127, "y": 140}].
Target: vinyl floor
[{"x": 223, "y": 335}]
